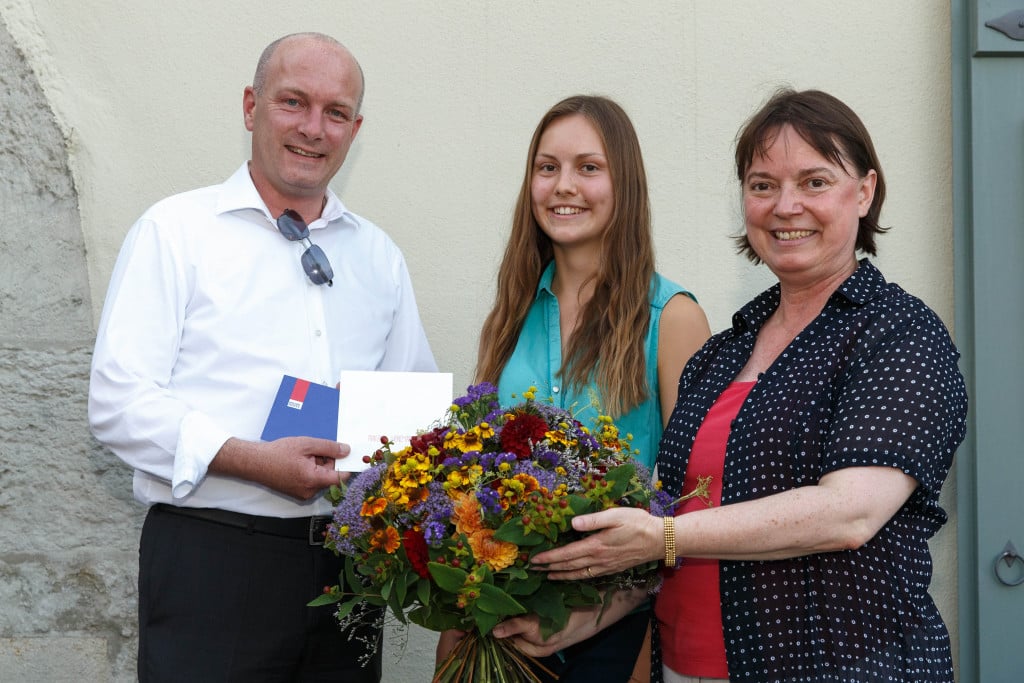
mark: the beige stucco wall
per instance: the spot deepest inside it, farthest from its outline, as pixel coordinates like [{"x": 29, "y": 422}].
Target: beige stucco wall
[{"x": 147, "y": 97}]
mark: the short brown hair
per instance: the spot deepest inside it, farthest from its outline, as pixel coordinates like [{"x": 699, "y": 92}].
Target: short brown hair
[{"x": 833, "y": 130}]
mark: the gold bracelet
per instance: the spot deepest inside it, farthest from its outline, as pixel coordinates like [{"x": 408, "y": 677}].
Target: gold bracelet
[{"x": 670, "y": 541}]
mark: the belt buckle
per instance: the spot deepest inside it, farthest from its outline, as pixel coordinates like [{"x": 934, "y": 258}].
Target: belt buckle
[{"x": 318, "y": 529}]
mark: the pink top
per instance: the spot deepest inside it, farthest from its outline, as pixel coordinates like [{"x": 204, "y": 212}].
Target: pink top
[{"x": 688, "y": 608}]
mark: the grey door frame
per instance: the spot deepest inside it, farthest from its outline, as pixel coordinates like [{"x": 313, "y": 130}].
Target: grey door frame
[{"x": 989, "y": 630}]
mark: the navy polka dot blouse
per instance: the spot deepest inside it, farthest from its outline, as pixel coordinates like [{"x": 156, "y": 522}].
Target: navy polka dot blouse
[{"x": 872, "y": 381}]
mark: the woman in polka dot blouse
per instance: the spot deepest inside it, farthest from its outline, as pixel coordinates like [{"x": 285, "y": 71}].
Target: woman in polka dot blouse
[{"x": 827, "y": 416}]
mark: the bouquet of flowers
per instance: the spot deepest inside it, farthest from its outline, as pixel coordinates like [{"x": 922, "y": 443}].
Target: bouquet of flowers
[{"x": 441, "y": 532}]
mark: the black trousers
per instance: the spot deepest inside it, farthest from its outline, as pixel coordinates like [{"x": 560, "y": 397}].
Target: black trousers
[{"x": 219, "y": 603}]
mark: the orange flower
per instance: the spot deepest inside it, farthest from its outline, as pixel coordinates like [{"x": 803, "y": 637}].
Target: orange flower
[
  {"x": 373, "y": 506},
  {"x": 494, "y": 553},
  {"x": 385, "y": 539},
  {"x": 466, "y": 514}
]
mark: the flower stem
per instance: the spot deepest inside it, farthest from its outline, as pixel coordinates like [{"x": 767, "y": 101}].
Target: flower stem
[{"x": 699, "y": 491}]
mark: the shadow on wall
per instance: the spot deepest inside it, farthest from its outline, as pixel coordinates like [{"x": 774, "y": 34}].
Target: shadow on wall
[{"x": 68, "y": 544}]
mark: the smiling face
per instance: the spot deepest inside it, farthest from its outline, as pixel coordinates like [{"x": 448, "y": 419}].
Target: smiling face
[
  {"x": 802, "y": 211},
  {"x": 571, "y": 186},
  {"x": 303, "y": 121}
]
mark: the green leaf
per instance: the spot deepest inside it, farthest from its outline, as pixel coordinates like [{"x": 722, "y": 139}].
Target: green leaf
[
  {"x": 619, "y": 476},
  {"x": 525, "y": 586},
  {"x": 512, "y": 531},
  {"x": 515, "y": 573},
  {"x": 435, "y": 620},
  {"x": 385, "y": 590},
  {"x": 548, "y": 603},
  {"x": 423, "y": 592},
  {"x": 484, "y": 621},
  {"x": 346, "y": 607},
  {"x": 581, "y": 505},
  {"x": 450, "y": 579},
  {"x": 352, "y": 582},
  {"x": 325, "y": 599},
  {"x": 493, "y": 600},
  {"x": 396, "y": 605},
  {"x": 401, "y": 586}
]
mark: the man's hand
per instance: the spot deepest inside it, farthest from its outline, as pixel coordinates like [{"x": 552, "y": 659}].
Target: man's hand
[{"x": 298, "y": 466}]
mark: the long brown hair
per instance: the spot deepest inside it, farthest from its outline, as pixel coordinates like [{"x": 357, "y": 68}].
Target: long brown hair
[{"x": 607, "y": 346}]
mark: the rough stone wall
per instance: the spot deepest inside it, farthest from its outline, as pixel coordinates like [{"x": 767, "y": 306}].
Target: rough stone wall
[{"x": 68, "y": 525}]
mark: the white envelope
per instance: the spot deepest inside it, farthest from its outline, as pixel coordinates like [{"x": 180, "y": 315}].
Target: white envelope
[{"x": 397, "y": 405}]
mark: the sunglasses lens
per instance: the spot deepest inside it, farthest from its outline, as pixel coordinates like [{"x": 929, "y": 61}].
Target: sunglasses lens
[
  {"x": 316, "y": 265},
  {"x": 292, "y": 226}
]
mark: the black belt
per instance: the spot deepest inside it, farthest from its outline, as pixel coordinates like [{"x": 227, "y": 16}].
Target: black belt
[{"x": 310, "y": 529}]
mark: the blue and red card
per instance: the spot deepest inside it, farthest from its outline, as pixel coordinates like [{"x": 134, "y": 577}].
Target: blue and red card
[{"x": 302, "y": 408}]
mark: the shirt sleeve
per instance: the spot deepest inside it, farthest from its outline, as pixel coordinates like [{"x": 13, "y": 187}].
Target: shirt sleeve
[
  {"x": 903, "y": 405},
  {"x": 133, "y": 409},
  {"x": 407, "y": 347}
]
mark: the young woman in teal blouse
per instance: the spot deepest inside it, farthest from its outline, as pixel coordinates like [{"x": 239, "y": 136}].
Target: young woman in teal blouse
[{"x": 581, "y": 314}]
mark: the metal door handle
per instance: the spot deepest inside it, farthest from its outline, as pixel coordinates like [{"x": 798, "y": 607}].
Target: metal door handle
[{"x": 1008, "y": 557}]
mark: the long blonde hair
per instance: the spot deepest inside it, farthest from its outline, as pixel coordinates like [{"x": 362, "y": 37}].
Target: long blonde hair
[{"x": 607, "y": 346}]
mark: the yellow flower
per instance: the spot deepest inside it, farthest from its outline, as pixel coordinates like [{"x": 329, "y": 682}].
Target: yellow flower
[
  {"x": 452, "y": 439},
  {"x": 559, "y": 437},
  {"x": 464, "y": 478},
  {"x": 471, "y": 441},
  {"x": 515, "y": 489}
]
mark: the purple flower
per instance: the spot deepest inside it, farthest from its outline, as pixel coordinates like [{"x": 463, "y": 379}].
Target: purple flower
[
  {"x": 346, "y": 514},
  {"x": 490, "y": 501},
  {"x": 436, "y": 510},
  {"x": 476, "y": 392},
  {"x": 548, "y": 458},
  {"x": 661, "y": 504},
  {"x": 545, "y": 477},
  {"x": 434, "y": 534}
]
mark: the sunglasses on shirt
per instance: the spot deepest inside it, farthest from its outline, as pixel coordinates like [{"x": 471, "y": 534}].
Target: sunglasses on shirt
[{"x": 314, "y": 260}]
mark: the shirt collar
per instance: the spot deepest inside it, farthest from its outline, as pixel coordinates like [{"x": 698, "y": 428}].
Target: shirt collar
[
  {"x": 545, "y": 279},
  {"x": 866, "y": 283},
  {"x": 238, "y": 193}
]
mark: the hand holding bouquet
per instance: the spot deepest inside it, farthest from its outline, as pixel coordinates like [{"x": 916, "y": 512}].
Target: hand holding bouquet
[{"x": 441, "y": 532}]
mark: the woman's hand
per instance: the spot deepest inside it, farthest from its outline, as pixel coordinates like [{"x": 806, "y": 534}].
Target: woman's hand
[
  {"x": 446, "y": 642},
  {"x": 624, "y": 538},
  {"x": 583, "y": 623}
]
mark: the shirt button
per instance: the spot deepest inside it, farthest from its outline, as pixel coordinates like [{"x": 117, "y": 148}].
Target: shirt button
[
  {"x": 317, "y": 332},
  {"x": 554, "y": 390}
]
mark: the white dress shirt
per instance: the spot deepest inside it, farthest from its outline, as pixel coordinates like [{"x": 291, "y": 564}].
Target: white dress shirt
[{"x": 208, "y": 307}]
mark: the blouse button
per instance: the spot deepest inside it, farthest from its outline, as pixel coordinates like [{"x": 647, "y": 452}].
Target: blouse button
[
  {"x": 317, "y": 332},
  {"x": 554, "y": 390}
]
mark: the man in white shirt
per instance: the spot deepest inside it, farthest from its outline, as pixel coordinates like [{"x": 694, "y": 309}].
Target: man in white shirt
[{"x": 209, "y": 306}]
